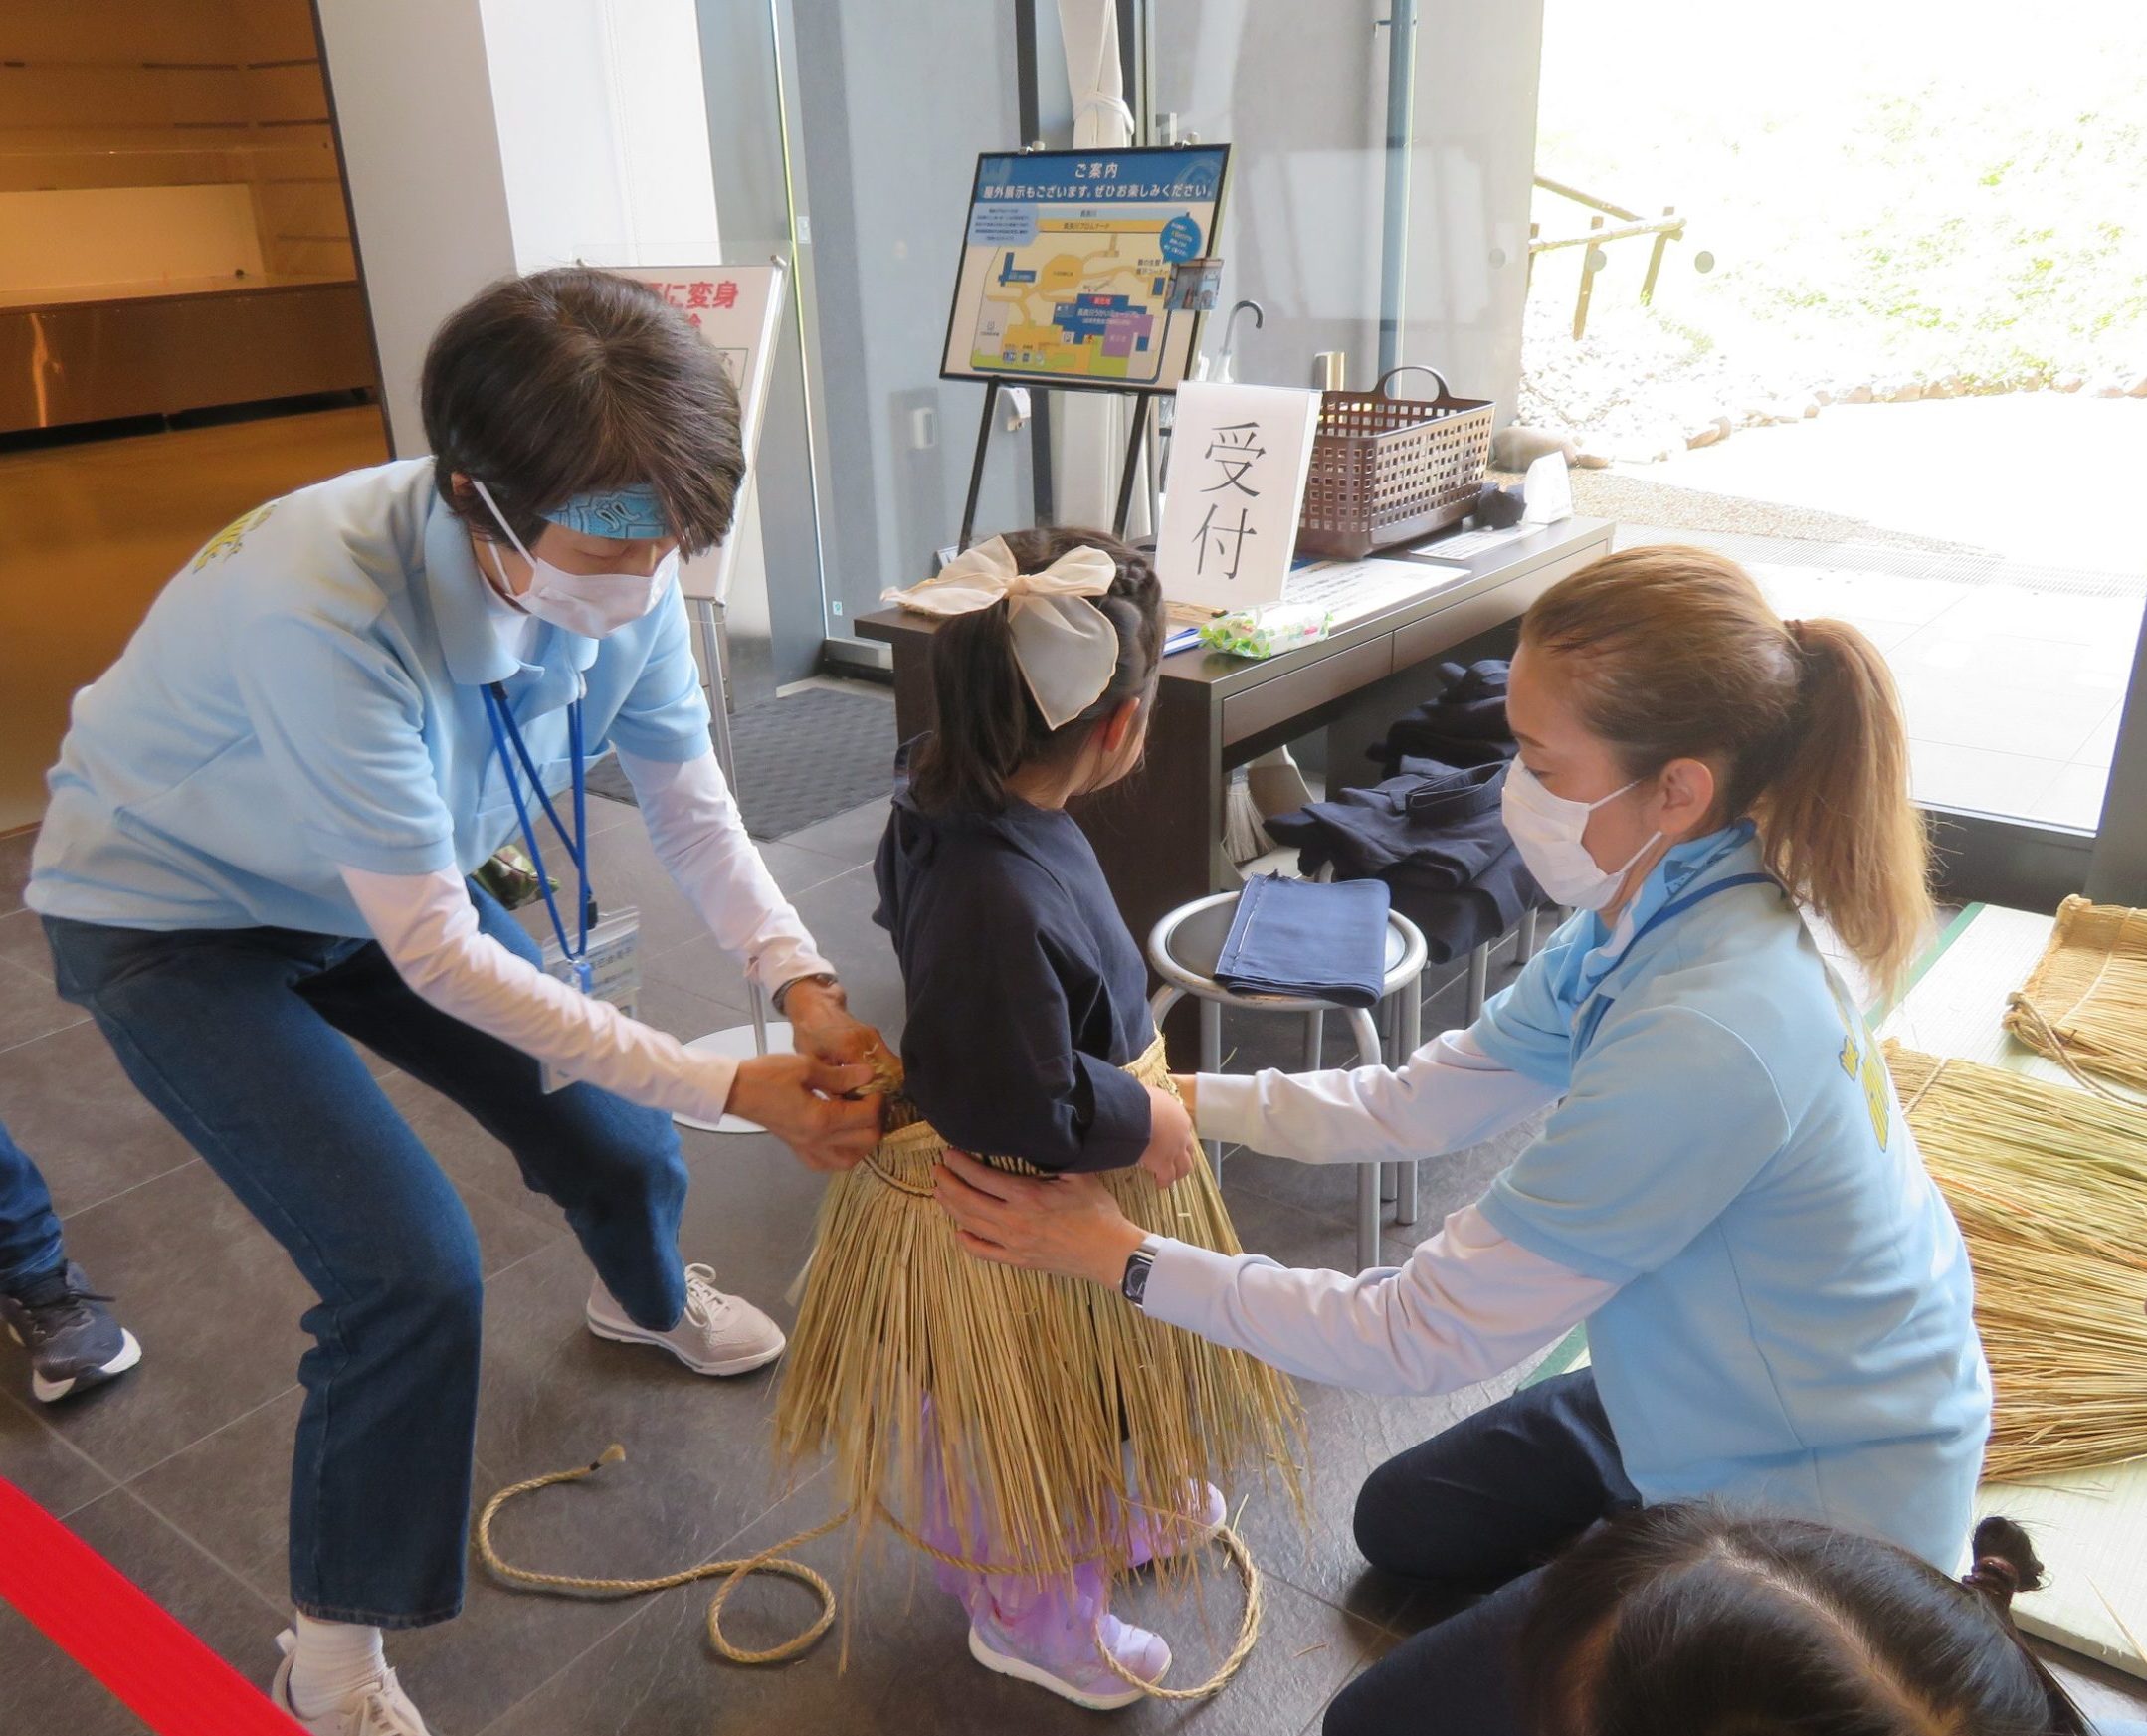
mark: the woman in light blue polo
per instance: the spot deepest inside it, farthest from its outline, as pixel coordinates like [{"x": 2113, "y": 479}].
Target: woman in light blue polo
[
  {"x": 256, "y": 849},
  {"x": 1777, "y": 1297}
]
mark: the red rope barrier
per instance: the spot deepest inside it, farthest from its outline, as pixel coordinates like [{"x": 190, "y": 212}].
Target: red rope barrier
[{"x": 129, "y": 1642}]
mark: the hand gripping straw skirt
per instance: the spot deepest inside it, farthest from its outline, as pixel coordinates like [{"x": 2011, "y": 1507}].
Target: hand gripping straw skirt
[{"x": 1045, "y": 1425}]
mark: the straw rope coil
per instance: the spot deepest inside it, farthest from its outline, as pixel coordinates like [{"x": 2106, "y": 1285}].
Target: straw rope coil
[
  {"x": 2084, "y": 1005},
  {"x": 2048, "y": 1186},
  {"x": 1050, "y": 1403}
]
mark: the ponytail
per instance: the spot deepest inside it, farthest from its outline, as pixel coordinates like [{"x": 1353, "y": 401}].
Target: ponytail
[
  {"x": 1673, "y": 654},
  {"x": 986, "y": 728},
  {"x": 1834, "y": 819}
]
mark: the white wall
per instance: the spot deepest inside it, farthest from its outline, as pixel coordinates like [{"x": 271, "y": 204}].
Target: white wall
[
  {"x": 423, "y": 156},
  {"x": 488, "y": 136},
  {"x": 603, "y": 130}
]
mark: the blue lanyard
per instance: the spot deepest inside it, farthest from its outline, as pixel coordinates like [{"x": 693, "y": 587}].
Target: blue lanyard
[
  {"x": 504, "y": 731},
  {"x": 1679, "y": 906},
  {"x": 1589, "y": 1015}
]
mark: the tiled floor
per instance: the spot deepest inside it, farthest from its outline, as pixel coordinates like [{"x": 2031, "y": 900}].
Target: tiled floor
[
  {"x": 179, "y": 1473},
  {"x": 2012, "y": 680}
]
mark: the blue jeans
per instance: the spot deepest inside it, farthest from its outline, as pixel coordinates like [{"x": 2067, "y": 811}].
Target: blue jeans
[
  {"x": 1479, "y": 1506},
  {"x": 233, "y": 1034},
  {"x": 29, "y": 1231}
]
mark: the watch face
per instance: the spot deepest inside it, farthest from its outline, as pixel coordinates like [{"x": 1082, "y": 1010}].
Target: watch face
[{"x": 1136, "y": 1277}]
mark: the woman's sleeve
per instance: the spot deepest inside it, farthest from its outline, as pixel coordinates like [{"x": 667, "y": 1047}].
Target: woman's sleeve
[
  {"x": 1446, "y": 1096},
  {"x": 428, "y": 927},
  {"x": 988, "y": 1045},
  {"x": 1469, "y": 1303},
  {"x": 695, "y": 826}
]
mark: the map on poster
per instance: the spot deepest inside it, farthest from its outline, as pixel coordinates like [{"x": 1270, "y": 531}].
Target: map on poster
[{"x": 1081, "y": 267}]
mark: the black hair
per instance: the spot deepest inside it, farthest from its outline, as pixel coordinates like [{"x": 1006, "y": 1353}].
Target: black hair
[
  {"x": 565, "y": 381},
  {"x": 1693, "y": 1618},
  {"x": 987, "y": 727}
]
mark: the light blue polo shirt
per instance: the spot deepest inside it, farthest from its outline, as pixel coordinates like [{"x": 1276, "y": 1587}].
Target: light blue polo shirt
[
  {"x": 307, "y": 696},
  {"x": 1793, "y": 1327}
]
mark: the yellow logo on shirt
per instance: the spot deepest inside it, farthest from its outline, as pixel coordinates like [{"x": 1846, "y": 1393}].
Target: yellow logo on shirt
[
  {"x": 228, "y": 539},
  {"x": 1864, "y": 1065}
]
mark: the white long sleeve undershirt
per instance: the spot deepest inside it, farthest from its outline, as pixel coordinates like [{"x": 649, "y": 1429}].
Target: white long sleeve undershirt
[
  {"x": 428, "y": 929},
  {"x": 1467, "y": 1304},
  {"x": 1446, "y": 1096}
]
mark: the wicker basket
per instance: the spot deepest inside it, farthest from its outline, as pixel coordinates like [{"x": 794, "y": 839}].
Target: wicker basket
[{"x": 1390, "y": 469}]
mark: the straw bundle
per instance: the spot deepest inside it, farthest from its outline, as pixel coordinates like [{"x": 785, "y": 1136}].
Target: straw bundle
[
  {"x": 2048, "y": 1185},
  {"x": 1033, "y": 1392},
  {"x": 2085, "y": 1002}
]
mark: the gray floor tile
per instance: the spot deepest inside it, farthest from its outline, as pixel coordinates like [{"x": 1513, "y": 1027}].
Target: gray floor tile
[
  {"x": 849, "y": 838},
  {"x": 86, "y": 1127},
  {"x": 749, "y": 1214},
  {"x": 511, "y": 1220},
  {"x": 700, "y": 968},
  {"x": 839, "y": 913},
  {"x": 555, "y": 1395},
  {"x": 29, "y": 1009},
  {"x": 214, "y": 1301},
  {"x": 908, "y": 1667},
  {"x": 35, "y": 1459},
  {"x": 46, "y": 1691},
  {"x": 22, "y": 941},
  {"x": 623, "y": 871},
  {"x": 231, "y": 1492},
  {"x": 15, "y": 848}
]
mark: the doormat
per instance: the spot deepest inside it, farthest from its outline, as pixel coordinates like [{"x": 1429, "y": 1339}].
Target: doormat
[{"x": 802, "y": 758}]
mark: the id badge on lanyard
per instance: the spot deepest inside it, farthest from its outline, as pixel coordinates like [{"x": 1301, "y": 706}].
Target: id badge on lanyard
[{"x": 603, "y": 960}]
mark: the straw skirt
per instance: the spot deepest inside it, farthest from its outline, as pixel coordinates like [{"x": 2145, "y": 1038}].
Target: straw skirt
[{"x": 1074, "y": 1427}]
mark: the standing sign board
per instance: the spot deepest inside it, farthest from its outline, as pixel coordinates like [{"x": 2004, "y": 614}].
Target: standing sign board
[
  {"x": 736, "y": 308},
  {"x": 1087, "y": 269},
  {"x": 1239, "y": 458}
]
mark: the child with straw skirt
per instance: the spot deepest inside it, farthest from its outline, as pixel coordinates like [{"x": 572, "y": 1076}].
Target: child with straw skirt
[{"x": 1036, "y": 1438}]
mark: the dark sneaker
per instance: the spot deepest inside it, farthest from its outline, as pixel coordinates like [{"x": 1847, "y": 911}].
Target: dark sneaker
[{"x": 73, "y": 1340}]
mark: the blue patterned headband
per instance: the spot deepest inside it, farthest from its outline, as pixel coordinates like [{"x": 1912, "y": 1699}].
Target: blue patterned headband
[{"x": 629, "y": 515}]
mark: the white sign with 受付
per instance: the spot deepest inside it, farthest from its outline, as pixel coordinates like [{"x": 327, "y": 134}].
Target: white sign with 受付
[
  {"x": 1237, "y": 462},
  {"x": 736, "y": 308}
]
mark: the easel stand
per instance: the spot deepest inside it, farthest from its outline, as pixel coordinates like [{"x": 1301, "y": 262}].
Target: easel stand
[
  {"x": 1127, "y": 474},
  {"x": 737, "y": 1042}
]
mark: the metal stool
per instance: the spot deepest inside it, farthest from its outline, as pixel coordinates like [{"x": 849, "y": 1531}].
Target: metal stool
[{"x": 1184, "y": 948}]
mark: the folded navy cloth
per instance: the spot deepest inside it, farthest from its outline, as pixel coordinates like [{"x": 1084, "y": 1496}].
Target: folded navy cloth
[
  {"x": 1298, "y": 938},
  {"x": 1466, "y": 725},
  {"x": 1444, "y": 821}
]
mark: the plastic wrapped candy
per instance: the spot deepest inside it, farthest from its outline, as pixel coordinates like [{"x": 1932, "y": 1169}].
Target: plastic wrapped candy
[{"x": 1269, "y": 630}]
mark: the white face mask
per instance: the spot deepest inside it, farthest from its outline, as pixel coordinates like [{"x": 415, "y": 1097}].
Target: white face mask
[
  {"x": 1547, "y": 830},
  {"x": 591, "y": 604}
]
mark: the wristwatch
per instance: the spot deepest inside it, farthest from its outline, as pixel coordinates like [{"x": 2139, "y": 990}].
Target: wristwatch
[
  {"x": 826, "y": 979},
  {"x": 1139, "y": 1264}
]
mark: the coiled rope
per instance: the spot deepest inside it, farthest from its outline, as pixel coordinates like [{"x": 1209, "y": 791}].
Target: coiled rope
[{"x": 775, "y": 1560}]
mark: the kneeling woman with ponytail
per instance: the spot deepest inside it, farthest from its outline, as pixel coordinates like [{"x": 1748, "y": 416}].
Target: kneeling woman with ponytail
[{"x": 1725, "y": 1190}]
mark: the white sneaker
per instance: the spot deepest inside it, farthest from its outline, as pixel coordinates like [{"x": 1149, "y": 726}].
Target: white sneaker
[
  {"x": 381, "y": 1708},
  {"x": 717, "y": 1333},
  {"x": 1093, "y": 1685}
]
